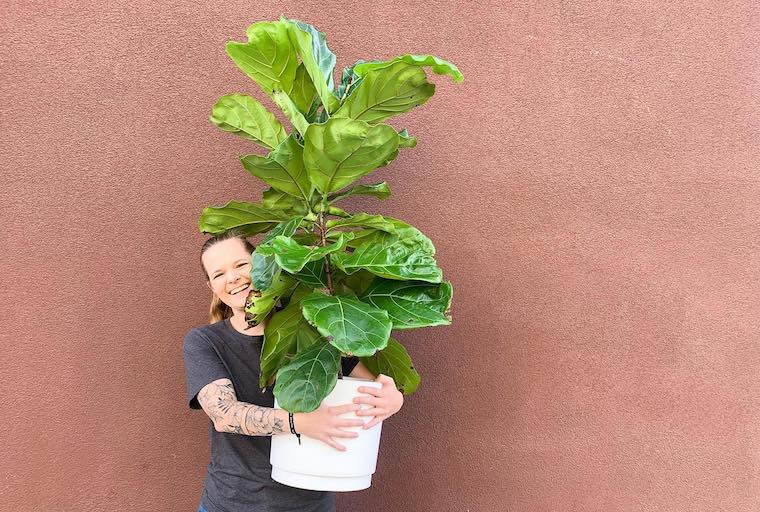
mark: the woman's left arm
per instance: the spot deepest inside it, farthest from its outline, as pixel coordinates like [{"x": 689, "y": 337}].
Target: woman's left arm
[{"x": 385, "y": 401}]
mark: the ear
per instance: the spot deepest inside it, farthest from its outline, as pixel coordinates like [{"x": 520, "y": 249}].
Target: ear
[{"x": 209, "y": 286}]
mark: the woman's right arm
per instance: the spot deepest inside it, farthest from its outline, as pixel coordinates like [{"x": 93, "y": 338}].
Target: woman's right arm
[{"x": 219, "y": 401}]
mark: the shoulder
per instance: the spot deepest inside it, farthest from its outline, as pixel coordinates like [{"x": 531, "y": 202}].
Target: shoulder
[{"x": 200, "y": 335}]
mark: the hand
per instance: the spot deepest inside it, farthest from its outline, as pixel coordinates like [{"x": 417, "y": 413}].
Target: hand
[
  {"x": 323, "y": 424},
  {"x": 385, "y": 401}
]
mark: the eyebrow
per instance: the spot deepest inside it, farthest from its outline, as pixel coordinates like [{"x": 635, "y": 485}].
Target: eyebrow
[{"x": 218, "y": 270}]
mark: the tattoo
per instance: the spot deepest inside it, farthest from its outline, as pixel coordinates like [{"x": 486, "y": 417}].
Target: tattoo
[{"x": 220, "y": 402}]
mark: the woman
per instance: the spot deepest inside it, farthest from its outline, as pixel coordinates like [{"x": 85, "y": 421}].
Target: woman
[{"x": 222, "y": 370}]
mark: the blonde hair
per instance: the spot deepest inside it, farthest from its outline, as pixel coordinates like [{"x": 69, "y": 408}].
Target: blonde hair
[{"x": 218, "y": 310}]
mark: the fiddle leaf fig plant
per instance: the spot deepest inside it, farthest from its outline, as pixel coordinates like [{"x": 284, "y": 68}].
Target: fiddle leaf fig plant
[{"x": 346, "y": 280}]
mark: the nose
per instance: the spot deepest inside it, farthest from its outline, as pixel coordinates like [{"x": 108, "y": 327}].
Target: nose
[{"x": 232, "y": 276}]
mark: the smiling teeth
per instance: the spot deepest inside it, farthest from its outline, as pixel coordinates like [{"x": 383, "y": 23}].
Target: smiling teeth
[{"x": 237, "y": 290}]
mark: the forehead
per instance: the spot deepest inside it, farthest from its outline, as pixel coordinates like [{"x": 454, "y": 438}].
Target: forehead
[{"x": 223, "y": 254}]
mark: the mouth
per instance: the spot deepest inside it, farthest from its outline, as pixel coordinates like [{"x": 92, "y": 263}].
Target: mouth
[{"x": 240, "y": 289}]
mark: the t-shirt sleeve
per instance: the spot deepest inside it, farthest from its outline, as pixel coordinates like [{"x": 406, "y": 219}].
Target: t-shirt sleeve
[
  {"x": 348, "y": 364},
  {"x": 202, "y": 365}
]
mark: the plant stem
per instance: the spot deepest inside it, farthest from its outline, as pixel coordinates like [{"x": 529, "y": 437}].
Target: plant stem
[{"x": 320, "y": 224}]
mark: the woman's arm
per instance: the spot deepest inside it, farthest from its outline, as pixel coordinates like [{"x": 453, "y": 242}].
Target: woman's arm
[{"x": 220, "y": 402}]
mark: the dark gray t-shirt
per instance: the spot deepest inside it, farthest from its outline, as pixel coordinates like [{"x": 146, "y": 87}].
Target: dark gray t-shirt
[{"x": 238, "y": 478}]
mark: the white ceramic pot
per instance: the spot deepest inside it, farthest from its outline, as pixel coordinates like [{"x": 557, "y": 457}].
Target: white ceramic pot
[{"x": 317, "y": 466}]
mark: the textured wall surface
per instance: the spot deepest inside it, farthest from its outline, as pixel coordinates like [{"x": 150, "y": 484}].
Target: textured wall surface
[{"x": 592, "y": 189}]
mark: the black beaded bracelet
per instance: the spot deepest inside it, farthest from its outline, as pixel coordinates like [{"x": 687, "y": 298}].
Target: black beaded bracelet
[{"x": 293, "y": 427}]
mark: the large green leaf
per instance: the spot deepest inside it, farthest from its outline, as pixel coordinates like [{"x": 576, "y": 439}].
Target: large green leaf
[
  {"x": 391, "y": 256},
  {"x": 303, "y": 93},
  {"x": 357, "y": 282},
  {"x": 257, "y": 308},
  {"x": 265, "y": 268},
  {"x": 386, "y": 92},
  {"x": 276, "y": 200},
  {"x": 303, "y": 383},
  {"x": 292, "y": 256},
  {"x": 247, "y": 118},
  {"x": 286, "y": 228},
  {"x": 284, "y": 333},
  {"x": 439, "y": 66},
  {"x": 282, "y": 169},
  {"x": 410, "y": 304},
  {"x": 248, "y": 217},
  {"x": 382, "y": 223},
  {"x": 394, "y": 362},
  {"x": 340, "y": 151},
  {"x": 316, "y": 57},
  {"x": 379, "y": 190},
  {"x": 313, "y": 274},
  {"x": 354, "y": 327},
  {"x": 268, "y": 57},
  {"x": 291, "y": 111}
]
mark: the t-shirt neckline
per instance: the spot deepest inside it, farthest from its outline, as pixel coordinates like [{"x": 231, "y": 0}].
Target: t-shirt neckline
[{"x": 228, "y": 325}]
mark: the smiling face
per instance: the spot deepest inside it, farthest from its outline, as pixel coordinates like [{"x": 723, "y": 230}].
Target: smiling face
[{"x": 228, "y": 266}]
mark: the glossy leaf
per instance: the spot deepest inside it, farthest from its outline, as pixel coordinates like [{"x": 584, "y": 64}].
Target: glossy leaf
[
  {"x": 410, "y": 304},
  {"x": 303, "y": 383},
  {"x": 316, "y": 57},
  {"x": 394, "y": 361},
  {"x": 292, "y": 256},
  {"x": 303, "y": 93},
  {"x": 382, "y": 223},
  {"x": 268, "y": 57},
  {"x": 354, "y": 327},
  {"x": 247, "y": 118},
  {"x": 276, "y": 200},
  {"x": 439, "y": 66},
  {"x": 284, "y": 333},
  {"x": 291, "y": 111},
  {"x": 379, "y": 190},
  {"x": 259, "y": 304},
  {"x": 392, "y": 257},
  {"x": 357, "y": 282},
  {"x": 386, "y": 92},
  {"x": 248, "y": 217},
  {"x": 341, "y": 151},
  {"x": 264, "y": 268},
  {"x": 313, "y": 274},
  {"x": 282, "y": 169}
]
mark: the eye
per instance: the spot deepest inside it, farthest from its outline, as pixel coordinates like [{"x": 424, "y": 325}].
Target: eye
[{"x": 242, "y": 264}]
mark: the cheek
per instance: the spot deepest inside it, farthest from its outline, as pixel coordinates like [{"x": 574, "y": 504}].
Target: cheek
[{"x": 217, "y": 287}]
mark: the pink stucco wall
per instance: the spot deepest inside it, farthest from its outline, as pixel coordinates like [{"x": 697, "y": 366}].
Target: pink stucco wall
[{"x": 592, "y": 189}]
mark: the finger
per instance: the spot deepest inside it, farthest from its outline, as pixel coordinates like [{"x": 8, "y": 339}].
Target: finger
[
  {"x": 384, "y": 379},
  {"x": 375, "y": 412},
  {"x": 370, "y": 391},
  {"x": 374, "y": 422},
  {"x": 350, "y": 423},
  {"x": 371, "y": 400},
  {"x": 342, "y": 409},
  {"x": 334, "y": 444},
  {"x": 336, "y": 432}
]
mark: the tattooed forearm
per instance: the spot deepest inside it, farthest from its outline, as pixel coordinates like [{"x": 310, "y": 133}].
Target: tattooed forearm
[{"x": 219, "y": 401}]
